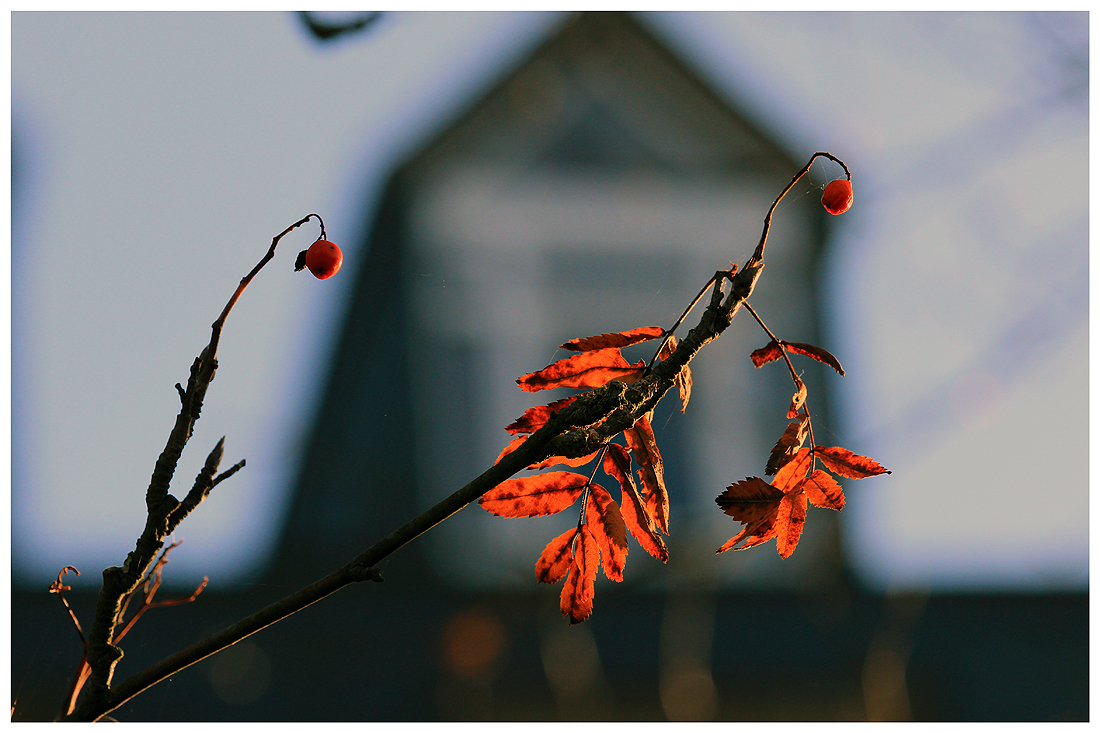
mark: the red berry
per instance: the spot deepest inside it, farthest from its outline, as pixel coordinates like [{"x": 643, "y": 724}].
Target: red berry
[
  {"x": 838, "y": 196},
  {"x": 323, "y": 258}
]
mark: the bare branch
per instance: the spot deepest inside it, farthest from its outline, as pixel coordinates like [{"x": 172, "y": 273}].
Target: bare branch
[{"x": 165, "y": 512}]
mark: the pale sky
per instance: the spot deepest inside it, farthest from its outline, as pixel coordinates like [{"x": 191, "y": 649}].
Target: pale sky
[{"x": 155, "y": 155}]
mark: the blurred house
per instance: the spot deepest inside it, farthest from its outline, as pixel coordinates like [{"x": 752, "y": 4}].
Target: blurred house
[{"x": 594, "y": 189}]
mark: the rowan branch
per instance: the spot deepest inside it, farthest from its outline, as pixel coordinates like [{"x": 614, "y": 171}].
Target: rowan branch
[{"x": 580, "y": 428}]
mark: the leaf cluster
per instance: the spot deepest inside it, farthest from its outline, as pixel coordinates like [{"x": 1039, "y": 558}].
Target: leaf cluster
[
  {"x": 640, "y": 508},
  {"x": 599, "y": 539}
]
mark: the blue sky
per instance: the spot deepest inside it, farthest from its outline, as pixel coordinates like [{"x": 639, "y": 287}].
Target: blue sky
[{"x": 155, "y": 155}]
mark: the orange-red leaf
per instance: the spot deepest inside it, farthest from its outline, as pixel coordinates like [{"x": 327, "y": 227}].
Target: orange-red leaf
[
  {"x": 534, "y": 496},
  {"x": 643, "y": 446},
  {"x": 605, "y": 521},
  {"x": 755, "y": 503},
  {"x": 551, "y": 461},
  {"x": 555, "y": 560},
  {"x": 515, "y": 443},
  {"x": 749, "y": 500},
  {"x": 787, "y": 478},
  {"x": 772, "y": 351},
  {"x": 788, "y": 523},
  {"x": 814, "y": 352},
  {"x": 788, "y": 444},
  {"x": 848, "y": 464},
  {"x": 563, "y": 461},
  {"x": 823, "y": 491},
  {"x": 586, "y": 369},
  {"x": 577, "y": 595},
  {"x": 770, "y": 510},
  {"x": 616, "y": 463},
  {"x": 615, "y": 340},
  {"x": 766, "y": 354},
  {"x": 536, "y": 417}
]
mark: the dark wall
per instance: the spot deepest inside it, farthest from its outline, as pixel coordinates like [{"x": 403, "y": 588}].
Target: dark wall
[{"x": 394, "y": 652}]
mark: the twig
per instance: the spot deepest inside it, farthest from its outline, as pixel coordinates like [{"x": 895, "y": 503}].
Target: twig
[
  {"x": 794, "y": 376},
  {"x": 165, "y": 512},
  {"x": 758, "y": 255},
  {"x": 59, "y": 587}
]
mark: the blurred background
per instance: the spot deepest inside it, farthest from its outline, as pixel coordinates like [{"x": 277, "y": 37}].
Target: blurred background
[{"x": 500, "y": 183}]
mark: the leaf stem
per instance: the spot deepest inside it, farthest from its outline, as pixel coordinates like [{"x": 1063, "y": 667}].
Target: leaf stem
[
  {"x": 587, "y": 486},
  {"x": 671, "y": 331},
  {"x": 758, "y": 255},
  {"x": 794, "y": 375}
]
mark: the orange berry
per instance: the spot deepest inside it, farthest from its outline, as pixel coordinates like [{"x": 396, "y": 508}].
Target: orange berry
[
  {"x": 323, "y": 258},
  {"x": 838, "y": 196}
]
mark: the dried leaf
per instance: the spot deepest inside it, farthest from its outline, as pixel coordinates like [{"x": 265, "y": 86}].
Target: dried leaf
[
  {"x": 587, "y": 369},
  {"x": 770, "y": 510},
  {"x": 576, "y": 596},
  {"x": 772, "y": 352},
  {"x": 604, "y": 519},
  {"x": 683, "y": 383},
  {"x": 615, "y": 340},
  {"x": 766, "y": 354},
  {"x": 799, "y": 398},
  {"x": 683, "y": 378},
  {"x": 668, "y": 349},
  {"x": 788, "y": 444},
  {"x": 534, "y": 496},
  {"x": 563, "y": 461},
  {"x": 823, "y": 491},
  {"x": 536, "y": 417},
  {"x": 814, "y": 352},
  {"x": 848, "y": 464},
  {"x": 787, "y": 478},
  {"x": 616, "y": 463},
  {"x": 643, "y": 446},
  {"x": 789, "y": 521},
  {"x": 755, "y": 503},
  {"x": 554, "y": 562}
]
